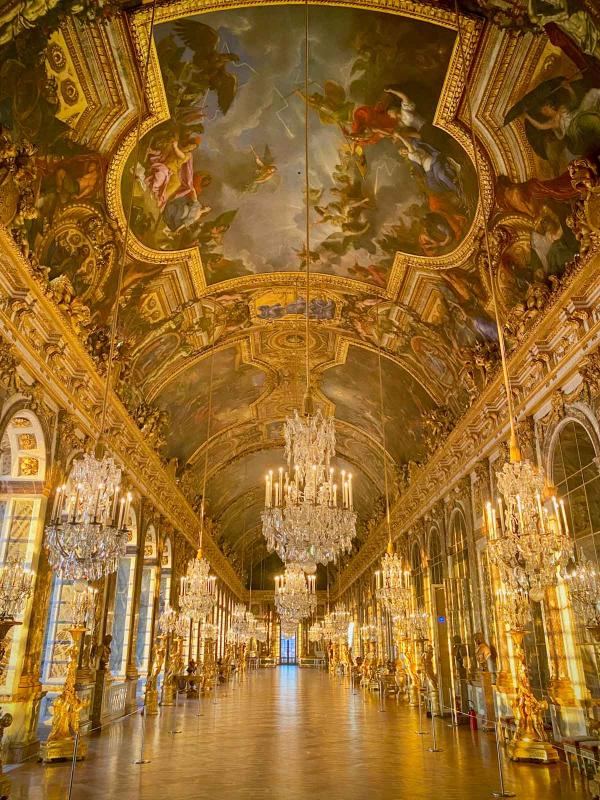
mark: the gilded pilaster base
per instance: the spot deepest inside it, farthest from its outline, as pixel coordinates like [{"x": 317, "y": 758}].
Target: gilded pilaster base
[
  {"x": 21, "y": 742},
  {"x": 151, "y": 703},
  {"x": 63, "y": 750},
  {"x": 529, "y": 750}
]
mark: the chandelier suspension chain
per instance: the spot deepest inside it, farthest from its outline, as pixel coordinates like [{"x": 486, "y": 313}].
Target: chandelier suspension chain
[
  {"x": 514, "y": 446},
  {"x": 121, "y": 273},
  {"x": 307, "y": 221},
  {"x": 208, "y": 426},
  {"x": 383, "y": 437}
]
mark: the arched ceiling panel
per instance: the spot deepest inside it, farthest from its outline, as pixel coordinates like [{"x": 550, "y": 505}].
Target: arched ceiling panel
[
  {"x": 235, "y": 387},
  {"x": 404, "y": 401}
]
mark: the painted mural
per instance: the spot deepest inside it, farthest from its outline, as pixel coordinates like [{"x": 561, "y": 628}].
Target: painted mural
[
  {"x": 235, "y": 387},
  {"x": 225, "y": 172},
  {"x": 344, "y": 386},
  {"x": 560, "y": 114}
]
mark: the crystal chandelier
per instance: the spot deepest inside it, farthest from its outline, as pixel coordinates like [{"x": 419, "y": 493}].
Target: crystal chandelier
[
  {"x": 417, "y": 625},
  {"x": 289, "y": 626},
  {"x": 328, "y": 627},
  {"x": 308, "y": 517},
  {"x": 87, "y": 533},
  {"x": 315, "y": 632},
  {"x": 392, "y": 585},
  {"x": 295, "y": 593},
  {"x": 368, "y": 632},
  {"x": 15, "y": 588},
  {"x": 340, "y": 620},
  {"x": 208, "y": 631},
  {"x": 197, "y": 595},
  {"x": 531, "y": 546},
  {"x": 241, "y": 625},
  {"x": 171, "y": 622},
  {"x": 583, "y": 581}
]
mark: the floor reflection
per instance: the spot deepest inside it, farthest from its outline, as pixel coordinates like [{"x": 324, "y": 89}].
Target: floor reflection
[{"x": 295, "y": 734}]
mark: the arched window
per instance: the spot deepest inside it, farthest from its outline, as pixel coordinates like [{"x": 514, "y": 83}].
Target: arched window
[
  {"x": 436, "y": 559},
  {"x": 461, "y": 609},
  {"x": 576, "y": 476},
  {"x": 121, "y": 625},
  {"x": 22, "y": 505},
  {"x": 417, "y": 576},
  {"x": 144, "y": 631}
]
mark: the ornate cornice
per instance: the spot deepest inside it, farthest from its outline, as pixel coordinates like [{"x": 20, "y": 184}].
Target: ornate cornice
[{"x": 55, "y": 358}]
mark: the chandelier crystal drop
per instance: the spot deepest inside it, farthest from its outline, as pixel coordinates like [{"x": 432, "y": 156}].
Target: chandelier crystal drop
[
  {"x": 197, "y": 595},
  {"x": 15, "y": 588},
  {"x": 295, "y": 593},
  {"x": 87, "y": 533},
  {"x": 309, "y": 517},
  {"x": 583, "y": 581},
  {"x": 530, "y": 544},
  {"x": 392, "y": 585},
  {"x": 328, "y": 627}
]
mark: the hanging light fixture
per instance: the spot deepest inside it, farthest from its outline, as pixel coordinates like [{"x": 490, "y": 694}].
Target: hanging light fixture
[
  {"x": 583, "y": 581},
  {"x": 340, "y": 621},
  {"x": 295, "y": 593},
  {"x": 198, "y": 594},
  {"x": 309, "y": 516},
  {"x": 315, "y": 632},
  {"x": 87, "y": 533}
]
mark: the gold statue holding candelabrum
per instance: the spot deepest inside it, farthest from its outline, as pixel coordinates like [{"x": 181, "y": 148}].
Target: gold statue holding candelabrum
[
  {"x": 151, "y": 697},
  {"x": 66, "y": 711}
]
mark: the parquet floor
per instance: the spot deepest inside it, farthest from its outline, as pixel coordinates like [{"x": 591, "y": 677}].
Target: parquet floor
[{"x": 290, "y": 734}]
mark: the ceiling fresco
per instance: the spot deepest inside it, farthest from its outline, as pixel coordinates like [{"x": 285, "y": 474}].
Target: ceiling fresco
[
  {"x": 213, "y": 262},
  {"x": 225, "y": 172}
]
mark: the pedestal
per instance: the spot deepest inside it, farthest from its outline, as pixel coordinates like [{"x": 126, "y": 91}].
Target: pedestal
[
  {"x": 529, "y": 750},
  {"x": 102, "y": 678},
  {"x": 63, "y": 749},
  {"x": 488, "y": 699}
]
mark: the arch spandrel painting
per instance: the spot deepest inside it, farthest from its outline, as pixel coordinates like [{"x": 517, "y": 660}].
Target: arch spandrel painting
[{"x": 225, "y": 173}]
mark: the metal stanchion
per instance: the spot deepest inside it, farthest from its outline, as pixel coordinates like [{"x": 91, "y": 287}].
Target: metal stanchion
[
  {"x": 420, "y": 732},
  {"x": 141, "y": 759},
  {"x": 381, "y": 697},
  {"x": 434, "y": 748},
  {"x": 502, "y": 791},
  {"x": 73, "y": 762}
]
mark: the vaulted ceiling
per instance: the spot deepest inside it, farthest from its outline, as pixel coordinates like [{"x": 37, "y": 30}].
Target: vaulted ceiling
[{"x": 213, "y": 282}]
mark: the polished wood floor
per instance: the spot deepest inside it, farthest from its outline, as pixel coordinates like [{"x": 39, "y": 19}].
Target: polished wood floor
[{"x": 289, "y": 734}]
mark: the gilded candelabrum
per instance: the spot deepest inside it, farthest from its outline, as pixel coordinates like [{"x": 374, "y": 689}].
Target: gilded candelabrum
[
  {"x": 151, "y": 696},
  {"x": 66, "y": 711},
  {"x": 208, "y": 670},
  {"x": 174, "y": 668},
  {"x": 430, "y": 676},
  {"x": 530, "y": 742}
]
